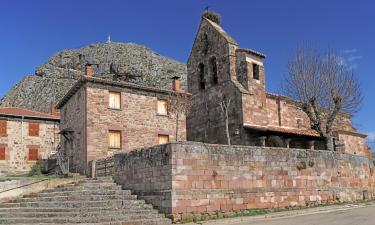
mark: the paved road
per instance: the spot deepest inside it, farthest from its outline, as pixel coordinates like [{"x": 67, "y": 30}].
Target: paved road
[{"x": 356, "y": 216}]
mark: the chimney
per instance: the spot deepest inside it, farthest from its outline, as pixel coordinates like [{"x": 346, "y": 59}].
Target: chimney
[
  {"x": 53, "y": 110},
  {"x": 176, "y": 83},
  {"x": 88, "y": 70}
]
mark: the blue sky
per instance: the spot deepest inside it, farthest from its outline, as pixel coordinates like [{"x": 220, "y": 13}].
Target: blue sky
[{"x": 31, "y": 31}]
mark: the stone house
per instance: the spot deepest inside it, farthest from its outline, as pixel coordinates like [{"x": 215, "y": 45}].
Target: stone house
[
  {"x": 101, "y": 117},
  {"x": 219, "y": 70},
  {"x": 25, "y": 137}
]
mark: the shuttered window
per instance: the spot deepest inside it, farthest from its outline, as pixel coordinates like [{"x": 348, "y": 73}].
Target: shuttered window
[
  {"x": 2, "y": 153},
  {"x": 33, "y": 154},
  {"x": 114, "y": 100},
  {"x": 163, "y": 139},
  {"x": 34, "y": 129},
  {"x": 3, "y": 127},
  {"x": 162, "y": 107},
  {"x": 114, "y": 139}
]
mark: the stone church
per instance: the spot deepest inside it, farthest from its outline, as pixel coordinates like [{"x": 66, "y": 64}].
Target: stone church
[{"x": 220, "y": 71}]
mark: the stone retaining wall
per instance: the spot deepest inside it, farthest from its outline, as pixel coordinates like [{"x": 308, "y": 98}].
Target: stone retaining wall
[{"x": 182, "y": 178}]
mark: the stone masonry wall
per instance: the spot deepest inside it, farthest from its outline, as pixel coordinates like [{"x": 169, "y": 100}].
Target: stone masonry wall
[
  {"x": 148, "y": 173},
  {"x": 192, "y": 177},
  {"x": 137, "y": 120},
  {"x": 73, "y": 121},
  {"x": 17, "y": 143}
]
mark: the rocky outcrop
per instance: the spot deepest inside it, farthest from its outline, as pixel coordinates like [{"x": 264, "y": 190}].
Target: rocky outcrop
[{"x": 116, "y": 61}]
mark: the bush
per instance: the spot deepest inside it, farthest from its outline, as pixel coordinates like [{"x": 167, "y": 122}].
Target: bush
[
  {"x": 36, "y": 170},
  {"x": 213, "y": 16}
]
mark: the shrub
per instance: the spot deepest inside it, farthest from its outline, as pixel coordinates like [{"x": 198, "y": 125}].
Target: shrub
[
  {"x": 213, "y": 16},
  {"x": 36, "y": 170},
  {"x": 302, "y": 166}
]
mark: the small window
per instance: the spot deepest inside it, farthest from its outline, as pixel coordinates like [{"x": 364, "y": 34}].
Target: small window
[
  {"x": 3, "y": 127},
  {"x": 213, "y": 67},
  {"x": 162, "y": 107},
  {"x": 202, "y": 84},
  {"x": 255, "y": 71},
  {"x": 114, "y": 139},
  {"x": 299, "y": 123},
  {"x": 114, "y": 100},
  {"x": 2, "y": 153},
  {"x": 34, "y": 129},
  {"x": 163, "y": 139},
  {"x": 33, "y": 154}
]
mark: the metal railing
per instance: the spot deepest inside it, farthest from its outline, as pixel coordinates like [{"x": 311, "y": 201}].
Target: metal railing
[{"x": 62, "y": 163}]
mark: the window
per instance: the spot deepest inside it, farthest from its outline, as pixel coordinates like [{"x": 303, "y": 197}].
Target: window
[
  {"x": 255, "y": 71},
  {"x": 202, "y": 84},
  {"x": 3, "y": 127},
  {"x": 299, "y": 123},
  {"x": 2, "y": 153},
  {"x": 213, "y": 67},
  {"x": 34, "y": 129},
  {"x": 205, "y": 43},
  {"x": 114, "y": 100},
  {"x": 114, "y": 139},
  {"x": 162, "y": 107},
  {"x": 163, "y": 139},
  {"x": 33, "y": 154}
]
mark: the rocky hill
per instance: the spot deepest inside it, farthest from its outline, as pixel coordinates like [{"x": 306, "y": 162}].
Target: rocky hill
[{"x": 117, "y": 61}]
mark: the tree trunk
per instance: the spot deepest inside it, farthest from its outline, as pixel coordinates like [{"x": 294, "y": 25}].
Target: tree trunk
[
  {"x": 329, "y": 142},
  {"x": 227, "y": 126}
]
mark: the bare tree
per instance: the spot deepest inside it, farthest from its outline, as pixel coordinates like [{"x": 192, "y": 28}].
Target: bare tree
[
  {"x": 224, "y": 105},
  {"x": 179, "y": 104},
  {"x": 325, "y": 86}
]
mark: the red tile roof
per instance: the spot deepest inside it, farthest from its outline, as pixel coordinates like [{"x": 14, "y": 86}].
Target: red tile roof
[
  {"x": 287, "y": 130},
  {"x": 27, "y": 113}
]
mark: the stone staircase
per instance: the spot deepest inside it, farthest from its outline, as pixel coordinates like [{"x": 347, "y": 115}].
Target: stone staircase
[{"x": 88, "y": 201}]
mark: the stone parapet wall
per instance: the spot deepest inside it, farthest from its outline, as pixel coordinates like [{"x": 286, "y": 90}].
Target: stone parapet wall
[
  {"x": 182, "y": 178},
  {"x": 148, "y": 173}
]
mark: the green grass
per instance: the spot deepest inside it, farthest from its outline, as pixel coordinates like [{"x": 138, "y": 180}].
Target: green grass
[{"x": 26, "y": 176}]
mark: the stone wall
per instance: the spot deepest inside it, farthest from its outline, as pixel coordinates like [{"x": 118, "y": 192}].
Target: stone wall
[
  {"x": 191, "y": 177},
  {"x": 148, "y": 173},
  {"x": 17, "y": 143},
  {"x": 73, "y": 122}
]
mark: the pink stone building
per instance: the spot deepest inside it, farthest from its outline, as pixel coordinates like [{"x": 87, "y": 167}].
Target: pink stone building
[
  {"x": 219, "y": 70},
  {"x": 25, "y": 137},
  {"x": 101, "y": 117}
]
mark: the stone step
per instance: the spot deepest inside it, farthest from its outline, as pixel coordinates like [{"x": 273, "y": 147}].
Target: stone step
[
  {"x": 83, "y": 188},
  {"x": 90, "y": 184},
  {"x": 76, "y": 198},
  {"x": 63, "y": 220},
  {"x": 79, "y": 204},
  {"x": 98, "y": 180},
  {"x": 83, "y": 210},
  {"x": 79, "y": 192},
  {"x": 147, "y": 214},
  {"x": 86, "y": 201}
]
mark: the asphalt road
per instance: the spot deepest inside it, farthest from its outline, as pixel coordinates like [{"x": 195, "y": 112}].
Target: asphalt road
[{"x": 356, "y": 216}]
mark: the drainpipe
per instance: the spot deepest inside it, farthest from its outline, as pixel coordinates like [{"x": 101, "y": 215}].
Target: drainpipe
[{"x": 22, "y": 129}]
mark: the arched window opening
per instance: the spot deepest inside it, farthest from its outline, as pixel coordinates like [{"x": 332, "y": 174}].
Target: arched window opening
[
  {"x": 255, "y": 71},
  {"x": 202, "y": 84},
  {"x": 213, "y": 67},
  {"x": 205, "y": 43}
]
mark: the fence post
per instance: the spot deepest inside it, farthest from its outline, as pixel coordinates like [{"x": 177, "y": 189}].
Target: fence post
[{"x": 93, "y": 169}]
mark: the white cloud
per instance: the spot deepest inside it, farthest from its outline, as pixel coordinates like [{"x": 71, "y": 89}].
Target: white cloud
[
  {"x": 350, "y": 51},
  {"x": 353, "y": 58}
]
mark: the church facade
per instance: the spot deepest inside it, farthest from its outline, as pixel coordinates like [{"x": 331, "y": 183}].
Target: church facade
[{"x": 222, "y": 73}]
